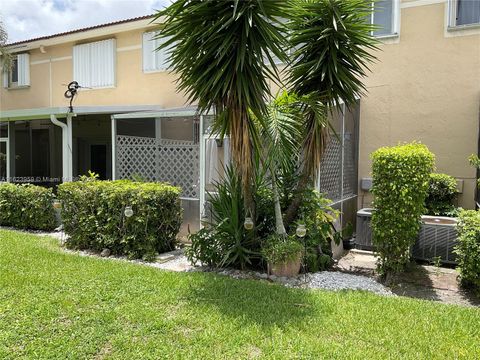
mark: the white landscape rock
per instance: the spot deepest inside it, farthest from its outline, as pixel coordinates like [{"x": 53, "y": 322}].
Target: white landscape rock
[{"x": 334, "y": 280}]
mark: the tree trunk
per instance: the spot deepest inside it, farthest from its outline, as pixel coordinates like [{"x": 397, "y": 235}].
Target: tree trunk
[{"x": 280, "y": 227}]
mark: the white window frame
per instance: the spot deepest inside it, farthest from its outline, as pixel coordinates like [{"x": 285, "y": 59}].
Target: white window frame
[
  {"x": 452, "y": 17},
  {"x": 158, "y": 67},
  {"x": 395, "y": 20},
  {"x": 23, "y": 73},
  {"x": 87, "y": 85}
]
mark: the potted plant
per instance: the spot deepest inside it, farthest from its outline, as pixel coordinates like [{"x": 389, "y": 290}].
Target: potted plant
[{"x": 283, "y": 255}]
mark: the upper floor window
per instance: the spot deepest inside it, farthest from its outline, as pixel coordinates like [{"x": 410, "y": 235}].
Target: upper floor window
[
  {"x": 19, "y": 72},
  {"x": 464, "y": 12},
  {"x": 384, "y": 15},
  {"x": 153, "y": 59},
  {"x": 94, "y": 64}
]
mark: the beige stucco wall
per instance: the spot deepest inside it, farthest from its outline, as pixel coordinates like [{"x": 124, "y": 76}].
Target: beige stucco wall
[
  {"x": 133, "y": 86},
  {"x": 425, "y": 87}
]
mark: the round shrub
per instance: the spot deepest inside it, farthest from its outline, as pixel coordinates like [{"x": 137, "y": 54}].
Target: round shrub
[
  {"x": 442, "y": 192},
  {"x": 401, "y": 177},
  {"x": 468, "y": 247},
  {"x": 27, "y": 206},
  {"x": 93, "y": 216}
]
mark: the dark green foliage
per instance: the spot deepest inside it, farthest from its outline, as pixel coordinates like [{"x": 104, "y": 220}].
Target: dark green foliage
[
  {"x": 27, "y": 207},
  {"x": 468, "y": 247},
  {"x": 205, "y": 248},
  {"x": 279, "y": 249},
  {"x": 331, "y": 43},
  {"x": 475, "y": 162},
  {"x": 442, "y": 192},
  {"x": 230, "y": 245},
  {"x": 219, "y": 49},
  {"x": 93, "y": 216},
  {"x": 226, "y": 243},
  {"x": 401, "y": 176}
]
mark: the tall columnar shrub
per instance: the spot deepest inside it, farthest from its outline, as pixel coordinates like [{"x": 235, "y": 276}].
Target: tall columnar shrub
[
  {"x": 468, "y": 247},
  {"x": 93, "y": 214},
  {"x": 442, "y": 192},
  {"x": 27, "y": 206},
  {"x": 400, "y": 183}
]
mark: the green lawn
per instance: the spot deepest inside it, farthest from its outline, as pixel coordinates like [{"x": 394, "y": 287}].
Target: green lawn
[{"x": 59, "y": 305}]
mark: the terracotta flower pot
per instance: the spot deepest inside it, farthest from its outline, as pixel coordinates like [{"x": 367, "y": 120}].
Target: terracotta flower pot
[{"x": 287, "y": 268}]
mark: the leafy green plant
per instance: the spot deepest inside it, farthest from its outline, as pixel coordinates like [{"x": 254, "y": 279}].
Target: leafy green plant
[
  {"x": 475, "y": 162},
  {"x": 468, "y": 247},
  {"x": 238, "y": 247},
  {"x": 442, "y": 192},
  {"x": 205, "y": 249},
  {"x": 27, "y": 206},
  {"x": 401, "y": 177},
  {"x": 280, "y": 249},
  {"x": 93, "y": 216}
]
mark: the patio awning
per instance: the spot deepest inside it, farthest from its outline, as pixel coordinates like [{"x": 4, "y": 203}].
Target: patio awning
[
  {"x": 61, "y": 112},
  {"x": 172, "y": 112}
]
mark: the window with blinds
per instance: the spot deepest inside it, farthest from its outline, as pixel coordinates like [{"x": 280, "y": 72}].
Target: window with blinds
[
  {"x": 94, "y": 64},
  {"x": 154, "y": 60}
]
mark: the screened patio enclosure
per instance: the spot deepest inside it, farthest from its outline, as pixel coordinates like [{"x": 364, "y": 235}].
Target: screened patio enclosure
[
  {"x": 177, "y": 146},
  {"x": 163, "y": 146}
]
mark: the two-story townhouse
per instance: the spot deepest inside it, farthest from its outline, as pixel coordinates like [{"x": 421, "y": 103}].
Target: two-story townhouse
[{"x": 128, "y": 119}]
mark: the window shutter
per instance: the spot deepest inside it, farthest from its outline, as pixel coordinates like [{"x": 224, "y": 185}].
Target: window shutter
[
  {"x": 23, "y": 69},
  {"x": 102, "y": 63},
  {"x": 149, "y": 56},
  {"x": 162, "y": 56},
  {"x": 81, "y": 64},
  {"x": 94, "y": 64}
]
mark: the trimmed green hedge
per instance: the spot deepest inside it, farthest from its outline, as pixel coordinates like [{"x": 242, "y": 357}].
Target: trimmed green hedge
[
  {"x": 442, "y": 192},
  {"x": 468, "y": 247},
  {"x": 27, "y": 206},
  {"x": 93, "y": 216},
  {"x": 401, "y": 177}
]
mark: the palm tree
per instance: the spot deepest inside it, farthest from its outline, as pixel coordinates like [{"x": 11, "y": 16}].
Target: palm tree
[
  {"x": 219, "y": 55},
  {"x": 281, "y": 132},
  {"x": 331, "y": 46}
]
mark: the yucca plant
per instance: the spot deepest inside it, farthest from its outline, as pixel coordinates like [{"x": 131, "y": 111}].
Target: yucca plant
[
  {"x": 220, "y": 51},
  {"x": 331, "y": 46}
]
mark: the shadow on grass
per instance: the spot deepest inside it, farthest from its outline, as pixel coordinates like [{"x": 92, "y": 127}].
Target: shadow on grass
[
  {"x": 418, "y": 282},
  {"x": 255, "y": 302}
]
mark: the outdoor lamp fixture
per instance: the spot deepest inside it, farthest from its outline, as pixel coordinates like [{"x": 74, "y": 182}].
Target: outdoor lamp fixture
[
  {"x": 57, "y": 204},
  {"x": 248, "y": 224},
  {"x": 301, "y": 231},
  {"x": 128, "y": 212}
]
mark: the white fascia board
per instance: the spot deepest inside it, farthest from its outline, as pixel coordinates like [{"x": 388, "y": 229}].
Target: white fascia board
[{"x": 85, "y": 35}]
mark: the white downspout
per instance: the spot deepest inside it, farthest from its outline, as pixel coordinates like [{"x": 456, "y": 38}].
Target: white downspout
[
  {"x": 66, "y": 146},
  {"x": 114, "y": 147}
]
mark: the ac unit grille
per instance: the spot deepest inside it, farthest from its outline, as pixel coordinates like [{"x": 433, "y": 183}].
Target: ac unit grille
[{"x": 436, "y": 241}]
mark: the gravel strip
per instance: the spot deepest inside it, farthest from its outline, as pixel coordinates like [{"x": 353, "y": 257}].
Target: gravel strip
[{"x": 332, "y": 280}]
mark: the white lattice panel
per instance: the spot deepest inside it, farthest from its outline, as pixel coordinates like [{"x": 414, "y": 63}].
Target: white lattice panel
[{"x": 173, "y": 161}]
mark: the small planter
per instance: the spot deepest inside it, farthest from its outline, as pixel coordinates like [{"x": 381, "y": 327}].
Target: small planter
[{"x": 287, "y": 268}]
